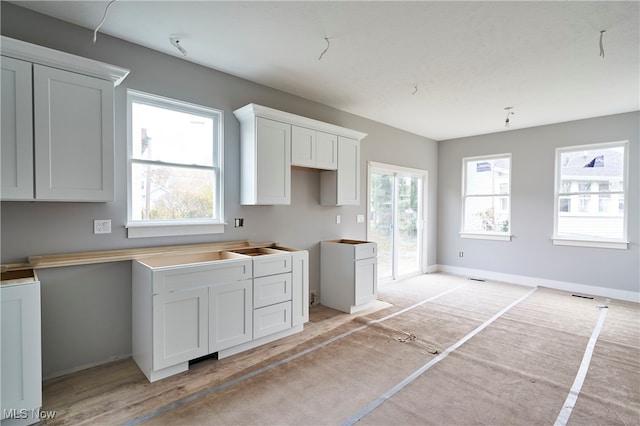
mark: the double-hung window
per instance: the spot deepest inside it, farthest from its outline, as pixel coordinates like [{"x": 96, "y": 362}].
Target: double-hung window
[
  {"x": 590, "y": 190},
  {"x": 175, "y": 179},
  {"x": 486, "y": 197}
]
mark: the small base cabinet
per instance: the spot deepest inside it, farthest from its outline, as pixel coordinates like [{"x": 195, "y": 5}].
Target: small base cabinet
[
  {"x": 21, "y": 348},
  {"x": 189, "y": 306},
  {"x": 348, "y": 274}
]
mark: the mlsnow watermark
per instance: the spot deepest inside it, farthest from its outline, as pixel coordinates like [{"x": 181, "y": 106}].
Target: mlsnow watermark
[{"x": 24, "y": 413}]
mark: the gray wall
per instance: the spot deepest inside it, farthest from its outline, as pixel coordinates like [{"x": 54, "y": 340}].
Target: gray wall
[
  {"x": 86, "y": 311},
  {"x": 531, "y": 252}
]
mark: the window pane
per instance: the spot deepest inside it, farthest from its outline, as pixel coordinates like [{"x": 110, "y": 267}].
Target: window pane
[
  {"x": 162, "y": 134},
  {"x": 172, "y": 193},
  {"x": 484, "y": 214},
  {"x": 596, "y": 225},
  {"x": 593, "y": 179},
  {"x": 487, "y": 176},
  {"x": 580, "y": 168}
]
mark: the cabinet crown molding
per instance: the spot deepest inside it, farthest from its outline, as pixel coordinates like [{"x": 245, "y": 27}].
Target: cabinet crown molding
[
  {"x": 19, "y": 49},
  {"x": 250, "y": 111}
]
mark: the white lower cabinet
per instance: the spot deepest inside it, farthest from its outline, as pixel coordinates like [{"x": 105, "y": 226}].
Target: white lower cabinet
[
  {"x": 21, "y": 377},
  {"x": 348, "y": 274},
  {"x": 189, "y": 306}
]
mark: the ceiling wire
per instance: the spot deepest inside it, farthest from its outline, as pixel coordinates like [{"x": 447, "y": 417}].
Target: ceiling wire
[
  {"x": 326, "y": 48},
  {"x": 507, "y": 122},
  {"x": 601, "y": 45},
  {"x": 175, "y": 41},
  {"x": 104, "y": 17}
]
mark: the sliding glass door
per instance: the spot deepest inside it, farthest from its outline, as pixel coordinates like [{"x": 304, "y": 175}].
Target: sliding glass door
[{"x": 396, "y": 219}]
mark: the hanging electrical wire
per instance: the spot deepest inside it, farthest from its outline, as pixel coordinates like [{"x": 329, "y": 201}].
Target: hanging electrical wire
[
  {"x": 326, "y": 48},
  {"x": 104, "y": 17},
  {"x": 601, "y": 45},
  {"x": 415, "y": 90}
]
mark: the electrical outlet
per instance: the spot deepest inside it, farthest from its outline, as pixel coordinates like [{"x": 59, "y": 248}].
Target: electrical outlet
[
  {"x": 102, "y": 226},
  {"x": 360, "y": 218},
  {"x": 338, "y": 219}
]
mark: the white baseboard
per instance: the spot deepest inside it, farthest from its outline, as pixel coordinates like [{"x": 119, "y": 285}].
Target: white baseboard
[
  {"x": 630, "y": 296},
  {"x": 432, "y": 268},
  {"x": 86, "y": 366}
]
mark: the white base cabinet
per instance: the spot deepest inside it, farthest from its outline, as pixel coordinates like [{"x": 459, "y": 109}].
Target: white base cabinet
[
  {"x": 348, "y": 274},
  {"x": 189, "y": 306},
  {"x": 21, "y": 348}
]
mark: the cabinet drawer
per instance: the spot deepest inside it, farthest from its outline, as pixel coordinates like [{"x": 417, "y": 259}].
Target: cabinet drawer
[
  {"x": 271, "y": 264},
  {"x": 271, "y": 319},
  {"x": 182, "y": 278},
  {"x": 271, "y": 290},
  {"x": 364, "y": 250}
]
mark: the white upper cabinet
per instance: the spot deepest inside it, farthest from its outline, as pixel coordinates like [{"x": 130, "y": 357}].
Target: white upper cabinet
[
  {"x": 266, "y": 170},
  {"x": 342, "y": 187},
  {"x": 74, "y": 145},
  {"x": 326, "y": 151},
  {"x": 310, "y": 148},
  {"x": 17, "y": 130},
  {"x": 58, "y": 142},
  {"x": 265, "y": 157}
]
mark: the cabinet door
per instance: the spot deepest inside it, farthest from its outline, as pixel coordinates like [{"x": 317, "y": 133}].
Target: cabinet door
[
  {"x": 180, "y": 327},
  {"x": 303, "y": 147},
  {"x": 273, "y": 162},
  {"x": 348, "y": 174},
  {"x": 74, "y": 145},
  {"x": 326, "y": 151},
  {"x": 365, "y": 280},
  {"x": 21, "y": 348},
  {"x": 300, "y": 287},
  {"x": 230, "y": 310},
  {"x": 17, "y": 130}
]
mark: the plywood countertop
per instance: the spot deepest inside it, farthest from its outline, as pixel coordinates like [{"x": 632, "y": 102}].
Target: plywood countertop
[{"x": 91, "y": 257}]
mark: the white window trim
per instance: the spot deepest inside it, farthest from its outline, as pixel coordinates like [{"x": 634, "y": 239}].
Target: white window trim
[
  {"x": 489, "y": 235},
  {"x": 496, "y": 236},
  {"x": 609, "y": 243},
  {"x": 145, "y": 229}
]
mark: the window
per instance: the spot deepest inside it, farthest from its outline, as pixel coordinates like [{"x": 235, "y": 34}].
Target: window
[
  {"x": 175, "y": 167},
  {"x": 486, "y": 197},
  {"x": 590, "y": 192}
]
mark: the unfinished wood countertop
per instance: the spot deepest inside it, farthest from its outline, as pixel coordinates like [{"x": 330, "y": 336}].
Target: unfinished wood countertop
[{"x": 91, "y": 257}]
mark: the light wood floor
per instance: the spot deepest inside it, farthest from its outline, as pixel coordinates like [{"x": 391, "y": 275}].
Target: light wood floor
[{"x": 517, "y": 371}]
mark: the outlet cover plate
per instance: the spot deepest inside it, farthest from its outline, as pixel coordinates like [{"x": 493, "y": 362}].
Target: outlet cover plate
[{"x": 102, "y": 226}]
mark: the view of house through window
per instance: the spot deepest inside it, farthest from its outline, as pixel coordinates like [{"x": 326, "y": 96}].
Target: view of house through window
[
  {"x": 487, "y": 195},
  {"x": 590, "y": 191},
  {"x": 175, "y": 161}
]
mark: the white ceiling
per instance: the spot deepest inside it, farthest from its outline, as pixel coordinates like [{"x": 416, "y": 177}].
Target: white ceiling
[{"x": 439, "y": 69}]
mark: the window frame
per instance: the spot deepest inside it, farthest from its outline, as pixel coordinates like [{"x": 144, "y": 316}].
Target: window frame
[
  {"x": 164, "y": 228},
  {"x": 590, "y": 241},
  {"x": 485, "y": 235}
]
